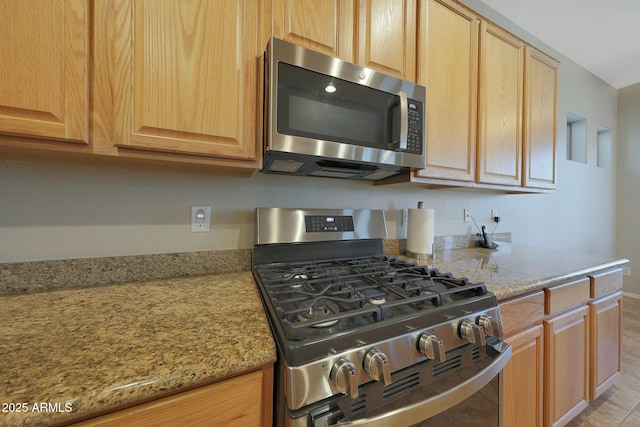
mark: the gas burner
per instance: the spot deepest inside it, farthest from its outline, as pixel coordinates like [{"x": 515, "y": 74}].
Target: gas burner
[
  {"x": 433, "y": 287},
  {"x": 319, "y": 311},
  {"x": 374, "y": 296},
  {"x": 378, "y": 301}
]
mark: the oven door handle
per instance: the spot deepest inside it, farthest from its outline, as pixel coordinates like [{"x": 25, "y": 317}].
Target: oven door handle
[{"x": 426, "y": 409}]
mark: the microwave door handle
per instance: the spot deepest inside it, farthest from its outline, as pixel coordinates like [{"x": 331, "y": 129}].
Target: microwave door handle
[{"x": 404, "y": 121}]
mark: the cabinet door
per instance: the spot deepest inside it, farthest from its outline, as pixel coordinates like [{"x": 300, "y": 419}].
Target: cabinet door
[
  {"x": 183, "y": 75},
  {"x": 500, "y": 113},
  {"x": 44, "y": 72},
  {"x": 523, "y": 378},
  {"x": 566, "y": 366},
  {"x": 606, "y": 320},
  {"x": 325, "y": 26},
  {"x": 539, "y": 144},
  {"x": 239, "y": 402},
  {"x": 449, "y": 70},
  {"x": 387, "y": 36}
]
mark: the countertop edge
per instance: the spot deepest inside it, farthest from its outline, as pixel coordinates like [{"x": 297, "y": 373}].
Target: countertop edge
[{"x": 521, "y": 289}]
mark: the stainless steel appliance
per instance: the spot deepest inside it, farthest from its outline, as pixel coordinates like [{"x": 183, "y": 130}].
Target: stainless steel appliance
[
  {"x": 366, "y": 338},
  {"x": 330, "y": 118}
]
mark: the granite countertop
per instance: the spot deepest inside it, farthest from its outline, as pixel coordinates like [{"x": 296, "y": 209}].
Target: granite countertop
[
  {"x": 513, "y": 269},
  {"x": 90, "y": 349}
]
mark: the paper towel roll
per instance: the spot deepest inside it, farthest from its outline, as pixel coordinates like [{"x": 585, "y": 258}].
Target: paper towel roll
[{"x": 420, "y": 232}]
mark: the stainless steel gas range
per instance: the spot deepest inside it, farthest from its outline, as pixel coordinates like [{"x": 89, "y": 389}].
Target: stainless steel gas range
[{"x": 366, "y": 338}]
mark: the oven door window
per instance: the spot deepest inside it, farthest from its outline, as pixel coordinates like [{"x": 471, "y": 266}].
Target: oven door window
[{"x": 317, "y": 106}]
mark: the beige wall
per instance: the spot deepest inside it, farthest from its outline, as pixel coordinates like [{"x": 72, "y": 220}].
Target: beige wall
[
  {"x": 52, "y": 211},
  {"x": 628, "y": 231}
]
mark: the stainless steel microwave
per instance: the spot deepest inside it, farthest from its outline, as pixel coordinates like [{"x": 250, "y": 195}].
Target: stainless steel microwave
[{"x": 330, "y": 118}]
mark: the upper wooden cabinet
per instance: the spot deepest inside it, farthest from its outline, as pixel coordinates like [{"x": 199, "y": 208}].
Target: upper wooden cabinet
[
  {"x": 540, "y": 120},
  {"x": 180, "y": 81},
  {"x": 45, "y": 69},
  {"x": 325, "y": 26},
  {"x": 178, "y": 77},
  {"x": 491, "y": 104},
  {"x": 379, "y": 34},
  {"x": 387, "y": 36},
  {"x": 501, "y": 102},
  {"x": 449, "y": 69}
]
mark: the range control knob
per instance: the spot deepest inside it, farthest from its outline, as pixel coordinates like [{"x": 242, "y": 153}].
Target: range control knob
[
  {"x": 432, "y": 347},
  {"x": 377, "y": 366},
  {"x": 343, "y": 377},
  {"x": 491, "y": 326},
  {"x": 473, "y": 333}
]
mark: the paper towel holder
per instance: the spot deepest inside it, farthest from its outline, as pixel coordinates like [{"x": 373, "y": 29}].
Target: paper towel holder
[
  {"x": 415, "y": 255},
  {"x": 420, "y": 255}
]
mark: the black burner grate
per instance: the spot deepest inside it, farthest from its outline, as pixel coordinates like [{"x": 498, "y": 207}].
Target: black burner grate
[{"x": 319, "y": 298}]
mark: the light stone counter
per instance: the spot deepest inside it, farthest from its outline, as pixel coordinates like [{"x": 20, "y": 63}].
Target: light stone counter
[
  {"x": 104, "y": 346},
  {"x": 90, "y": 349},
  {"x": 513, "y": 269}
]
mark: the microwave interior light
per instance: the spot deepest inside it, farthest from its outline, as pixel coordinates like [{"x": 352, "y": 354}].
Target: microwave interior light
[{"x": 330, "y": 88}]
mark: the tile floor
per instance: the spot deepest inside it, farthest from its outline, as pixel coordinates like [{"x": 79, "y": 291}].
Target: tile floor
[{"x": 620, "y": 405}]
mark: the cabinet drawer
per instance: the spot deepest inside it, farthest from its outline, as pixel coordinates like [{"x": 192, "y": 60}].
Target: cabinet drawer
[
  {"x": 605, "y": 283},
  {"x": 567, "y": 295},
  {"x": 522, "y": 311}
]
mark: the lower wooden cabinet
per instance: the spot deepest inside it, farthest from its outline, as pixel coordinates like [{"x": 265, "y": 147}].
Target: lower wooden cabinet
[
  {"x": 241, "y": 401},
  {"x": 606, "y": 329},
  {"x": 523, "y": 376},
  {"x": 523, "y": 379},
  {"x": 566, "y": 349},
  {"x": 566, "y": 377}
]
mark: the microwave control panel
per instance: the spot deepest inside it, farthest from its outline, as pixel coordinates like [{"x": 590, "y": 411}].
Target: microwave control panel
[{"x": 414, "y": 133}]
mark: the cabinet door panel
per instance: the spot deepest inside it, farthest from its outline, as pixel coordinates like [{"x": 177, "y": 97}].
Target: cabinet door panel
[
  {"x": 606, "y": 321},
  {"x": 187, "y": 77},
  {"x": 387, "y": 36},
  {"x": 44, "y": 72},
  {"x": 500, "y": 115},
  {"x": 523, "y": 378},
  {"x": 566, "y": 366},
  {"x": 233, "y": 402},
  {"x": 541, "y": 77},
  {"x": 327, "y": 26},
  {"x": 450, "y": 75}
]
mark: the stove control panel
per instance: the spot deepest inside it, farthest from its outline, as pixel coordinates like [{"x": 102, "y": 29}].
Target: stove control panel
[
  {"x": 345, "y": 372},
  {"x": 325, "y": 223}
]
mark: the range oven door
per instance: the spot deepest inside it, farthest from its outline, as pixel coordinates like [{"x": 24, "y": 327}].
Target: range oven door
[{"x": 471, "y": 396}]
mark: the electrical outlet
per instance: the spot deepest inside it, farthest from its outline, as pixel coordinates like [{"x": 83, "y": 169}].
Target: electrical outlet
[
  {"x": 467, "y": 213},
  {"x": 494, "y": 215},
  {"x": 626, "y": 271},
  {"x": 200, "y": 218}
]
